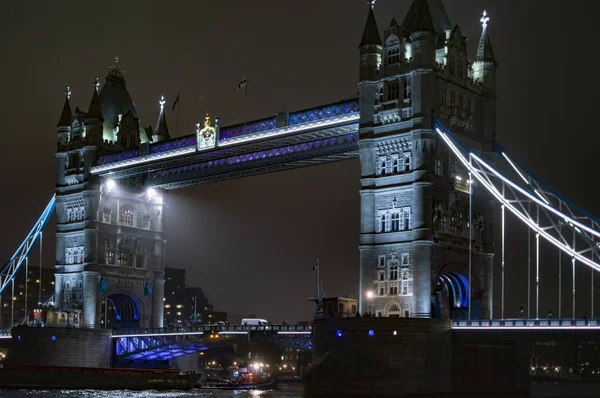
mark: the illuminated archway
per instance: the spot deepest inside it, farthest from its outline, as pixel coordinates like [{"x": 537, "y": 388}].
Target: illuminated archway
[
  {"x": 456, "y": 288},
  {"x": 122, "y": 309}
]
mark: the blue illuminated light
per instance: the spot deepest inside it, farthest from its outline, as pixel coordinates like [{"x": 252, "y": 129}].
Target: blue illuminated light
[
  {"x": 53, "y": 338},
  {"x": 339, "y": 333},
  {"x": 18, "y": 337},
  {"x": 371, "y": 333}
]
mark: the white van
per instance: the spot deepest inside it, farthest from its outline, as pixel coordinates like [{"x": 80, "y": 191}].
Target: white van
[{"x": 254, "y": 321}]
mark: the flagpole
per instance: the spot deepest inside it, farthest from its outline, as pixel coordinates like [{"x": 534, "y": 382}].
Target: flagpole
[
  {"x": 318, "y": 282},
  {"x": 178, "y": 110},
  {"x": 246, "y": 105}
]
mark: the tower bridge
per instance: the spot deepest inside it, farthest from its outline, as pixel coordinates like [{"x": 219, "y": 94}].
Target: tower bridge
[{"x": 434, "y": 188}]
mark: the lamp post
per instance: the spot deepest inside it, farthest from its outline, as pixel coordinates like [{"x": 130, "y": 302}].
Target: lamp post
[{"x": 370, "y": 295}]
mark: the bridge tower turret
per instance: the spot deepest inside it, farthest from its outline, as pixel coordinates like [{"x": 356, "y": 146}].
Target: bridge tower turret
[
  {"x": 414, "y": 201},
  {"x": 109, "y": 236},
  {"x": 484, "y": 71}
]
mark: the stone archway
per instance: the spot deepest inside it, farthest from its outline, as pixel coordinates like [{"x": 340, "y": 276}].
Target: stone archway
[
  {"x": 453, "y": 293},
  {"x": 122, "y": 309},
  {"x": 393, "y": 310}
]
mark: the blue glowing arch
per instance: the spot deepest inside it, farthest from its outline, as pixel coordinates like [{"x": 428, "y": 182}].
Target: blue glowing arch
[{"x": 458, "y": 289}]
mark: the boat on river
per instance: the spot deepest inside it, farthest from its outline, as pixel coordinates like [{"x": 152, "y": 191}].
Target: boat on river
[{"x": 76, "y": 378}]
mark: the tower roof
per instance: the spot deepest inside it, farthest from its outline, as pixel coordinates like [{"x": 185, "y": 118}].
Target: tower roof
[
  {"x": 162, "y": 130},
  {"x": 371, "y": 33},
  {"x": 94, "y": 110},
  {"x": 419, "y": 18},
  {"x": 66, "y": 116},
  {"x": 114, "y": 97},
  {"x": 484, "y": 50}
]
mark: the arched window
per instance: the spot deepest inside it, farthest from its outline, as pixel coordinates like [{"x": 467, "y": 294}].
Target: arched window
[
  {"x": 407, "y": 163},
  {"x": 394, "y": 308},
  {"x": 382, "y": 165},
  {"x": 406, "y": 220},
  {"x": 126, "y": 215},
  {"x": 124, "y": 141},
  {"x": 395, "y": 165}
]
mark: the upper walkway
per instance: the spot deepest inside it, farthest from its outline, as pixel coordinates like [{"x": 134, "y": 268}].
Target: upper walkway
[{"x": 289, "y": 140}]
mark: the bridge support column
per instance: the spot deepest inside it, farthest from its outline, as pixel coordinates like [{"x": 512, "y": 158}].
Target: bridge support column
[
  {"x": 422, "y": 251},
  {"x": 158, "y": 293},
  {"x": 58, "y": 289},
  {"x": 90, "y": 298}
]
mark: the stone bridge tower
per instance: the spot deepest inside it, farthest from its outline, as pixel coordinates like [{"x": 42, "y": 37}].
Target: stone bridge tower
[
  {"x": 110, "y": 244},
  {"x": 414, "y": 194}
]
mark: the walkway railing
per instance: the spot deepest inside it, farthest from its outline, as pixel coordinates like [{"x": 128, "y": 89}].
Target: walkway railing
[{"x": 217, "y": 329}]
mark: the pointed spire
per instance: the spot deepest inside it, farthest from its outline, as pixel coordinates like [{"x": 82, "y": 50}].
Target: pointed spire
[
  {"x": 161, "y": 132},
  {"x": 115, "y": 71},
  {"x": 66, "y": 116},
  {"x": 371, "y": 33},
  {"x": 419, "y": 18},
  {"x": 94, "y": 110},
  {"x": 484, "y": 50}
]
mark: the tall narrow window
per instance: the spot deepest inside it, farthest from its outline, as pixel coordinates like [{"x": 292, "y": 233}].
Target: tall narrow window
[
  {"x": 125, "y": 258},
  {"x": 394, "y": 289},
  {"x": 106, "y": 215},
  {"x": 394, "y": 272},
  {"x": 439, "y": 169},
  {"x": 146, "y": 221},
  {"x": 124, "y": 141},
  {"x": 406, "y": 163},
  {"x": 406, "y": 219},
  {"x": 393, "y": 55},
  {"x": 382, "y": 223},
  {"x": 406, "y": 88},
  {"x": 395, "y": 221},
  {"x": 382, "y": 165},
  {"x": 395, "y": 164},
  {"x": 443, "y": 95},
  {"x": 460, "y": 102},
  {"x": 452, "y": 100}
]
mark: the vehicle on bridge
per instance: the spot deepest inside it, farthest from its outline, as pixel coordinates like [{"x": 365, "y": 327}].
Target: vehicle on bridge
[{"x": 254, "y": 321}]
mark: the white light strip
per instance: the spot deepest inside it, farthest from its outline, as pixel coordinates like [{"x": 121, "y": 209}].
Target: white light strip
[
  {"x": 541, "y": 197},
  {"x": 532, "y": 328},
  {"x": 294, "y": 129},
  {"x": 515, "y": 167},
  {"x": 234, "y": 332},
  {"x": 144, "y": 159},
  {"x": 294, "y": 332},
  {"x": 275, "y": 132},
  {"x": 552, "y": 209},
  {"x": 527, "y": 221},
  {"x": 6, "y": 337},
  {"x": 156, "y": 334}
]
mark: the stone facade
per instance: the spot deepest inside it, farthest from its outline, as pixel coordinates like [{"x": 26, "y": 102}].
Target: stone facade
[
  {"x": 414, "y": 242},
  {"x": 110, "y": 241}
]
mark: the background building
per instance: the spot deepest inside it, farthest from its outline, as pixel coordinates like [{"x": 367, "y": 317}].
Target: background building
[
  {"x": 33, "y": 283},
  {"x": 180, "y": 301}
]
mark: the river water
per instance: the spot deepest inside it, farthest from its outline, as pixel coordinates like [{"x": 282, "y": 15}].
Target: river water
[{"x": 287, "y": 391}]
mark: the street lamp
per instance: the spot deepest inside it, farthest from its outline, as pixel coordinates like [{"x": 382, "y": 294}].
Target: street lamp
[{"x": 370, "y": 295}]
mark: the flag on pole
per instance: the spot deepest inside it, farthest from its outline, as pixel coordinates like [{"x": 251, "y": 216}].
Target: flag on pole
[
  {"x": 242, "y": 84},
  {"x": 316, "y": 267},
  {"x": 175, "y": 102}
]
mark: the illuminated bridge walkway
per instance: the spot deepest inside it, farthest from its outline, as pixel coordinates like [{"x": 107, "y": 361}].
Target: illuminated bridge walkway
[{"x": 166, "y": 343}]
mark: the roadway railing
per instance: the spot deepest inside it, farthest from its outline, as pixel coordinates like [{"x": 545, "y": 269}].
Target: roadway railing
[
  {"x": 223, "y": 329},
  {"x": 550, "y": 324}
]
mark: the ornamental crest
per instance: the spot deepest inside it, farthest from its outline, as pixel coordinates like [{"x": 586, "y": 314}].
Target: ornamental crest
[{"x": 206, "y": 136}]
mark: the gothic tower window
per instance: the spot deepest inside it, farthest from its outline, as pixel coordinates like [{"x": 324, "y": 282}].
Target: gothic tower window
[
  {"x": 406, "y": 88},
  {"x": 125, "y": 258},
  {"x": 381, "y": 276},
  {"x": 124, "y": 141},
  {"x": 106, "y": 214},
  {"x": 395, "y": 221},
  {"x": 146, "y": 221},
  {"x": 126, "y": 215},
  {"x": 382, "y": 165},
  {"x": 460, "y": 102},
  {"x": 110, "y": 253},
  {"x": 393, "y": 55},
  {"x": 460, "y": 70},
  {"x": 382, "y": 289},
  {"x": 406, "y": 163},
  {"x": 381, "y": 261},
  {"x": 394, "y": 289},
  {"x": 444, "y": 93},
  {"x": 452, "y": 99},
  {"x": 395, "y": 164},
  {"x": 140, "y": 256},
  {"x": 394, "y": 272},
  {"x": 439, "y": 168},
  {"x": 393, "y": 91}
]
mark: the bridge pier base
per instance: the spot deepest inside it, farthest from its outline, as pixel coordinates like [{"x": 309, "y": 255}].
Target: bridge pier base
[{"x": 403, "y": 357}]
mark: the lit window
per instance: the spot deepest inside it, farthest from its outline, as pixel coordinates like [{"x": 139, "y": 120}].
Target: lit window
[
  {"x": 179, "y": 306},
  {"x": 168, "y": 306},
  {"x": 146, "y": 221},
  {"x": 106, "y": 215},
  {"x": 178, "y": 313},
  {"x": 125, "y": 258},
  {"x": 126, "y": 215}
]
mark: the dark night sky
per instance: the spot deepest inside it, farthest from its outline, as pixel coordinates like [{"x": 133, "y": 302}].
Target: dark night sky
[{"x": 251, "y": 243}]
